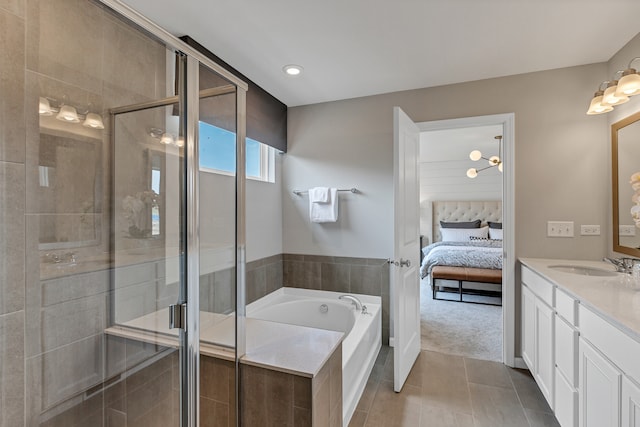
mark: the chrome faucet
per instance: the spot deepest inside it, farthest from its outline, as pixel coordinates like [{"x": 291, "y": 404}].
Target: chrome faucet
[
  {"x": 355, "y": 301},
  {"x": 623, "y": 265}
]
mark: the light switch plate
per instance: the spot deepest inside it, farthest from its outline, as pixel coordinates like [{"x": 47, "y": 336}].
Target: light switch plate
[
  {"x": 627, "y": 230},
  {"x": 560, "y": 228},
  {"x": 590, "y": 230}
]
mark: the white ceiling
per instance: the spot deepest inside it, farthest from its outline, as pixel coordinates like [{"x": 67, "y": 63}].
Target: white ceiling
[
  {"x": 455, "y": 144},
  {"x": 352, "y": 48}
]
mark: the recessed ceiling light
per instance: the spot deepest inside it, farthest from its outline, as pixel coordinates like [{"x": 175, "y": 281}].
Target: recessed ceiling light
[{"x": 292, "y": 69}]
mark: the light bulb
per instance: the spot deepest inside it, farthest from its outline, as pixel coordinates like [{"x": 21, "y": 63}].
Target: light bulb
[
  {"x": 68, "y": 113},
  {"x": 475, "y": 155},
  {"x": 500, "y": 166},
  {"x": 44, "y": 108},
  {"x": 610, "y": 98},
  {"x": 494, "y": 160},
  {"x": 166, "y": 138},
  {"x": 180, "y": 142},
  {"x": 292, "y": 70},
  {"x": 94, "y": 121},
  {"x": 596, "y": 106},
  {"x": 629, "y": 83},
  {"x": 472, "y": 173}
]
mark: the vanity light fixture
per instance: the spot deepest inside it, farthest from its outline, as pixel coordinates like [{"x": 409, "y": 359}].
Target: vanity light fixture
[
  {"x": 68, "y": 113},
  {"x": 44, "y": 107},
  {"x": 596, "y": 106},
  {"x": 494, "y": 161},
  {"x": 292, "y": 70},
  {"x": 611, "y": 97},
  {"x": 166, "y": 138},
  {"x": 93, "y": 121},
  {"x": 629, "y": 83},
  {"x": 617, "y": 91}
]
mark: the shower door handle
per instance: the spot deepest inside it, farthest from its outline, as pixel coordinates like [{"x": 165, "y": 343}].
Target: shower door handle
[{"x": 178, "y": 316}]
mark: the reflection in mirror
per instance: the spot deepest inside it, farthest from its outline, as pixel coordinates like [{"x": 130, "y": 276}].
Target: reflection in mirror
[
  {"x": 625, "y": 138},
  {"x": 69, "y": 190}
]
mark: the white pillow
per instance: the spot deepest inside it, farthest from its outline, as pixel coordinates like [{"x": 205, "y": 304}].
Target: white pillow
[
  {"x": 463, "y": 234},
  {"x": 495, "y": 233}
]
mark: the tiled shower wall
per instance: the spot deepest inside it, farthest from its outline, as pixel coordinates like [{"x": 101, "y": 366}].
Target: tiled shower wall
[
  {"x": 12, "y": 209},
  {"x": 369, "y": 276}
]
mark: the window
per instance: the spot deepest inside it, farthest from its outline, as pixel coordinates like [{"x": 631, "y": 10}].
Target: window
[{"x": 218, "y": 154}]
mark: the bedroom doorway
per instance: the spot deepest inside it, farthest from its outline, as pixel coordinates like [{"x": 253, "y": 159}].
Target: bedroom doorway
[{"x": 474, "y": 330}]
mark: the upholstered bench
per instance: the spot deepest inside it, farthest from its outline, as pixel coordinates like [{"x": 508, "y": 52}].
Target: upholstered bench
[{"x": 464, "y": 274}]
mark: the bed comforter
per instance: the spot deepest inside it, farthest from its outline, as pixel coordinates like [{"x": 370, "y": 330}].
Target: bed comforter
[{"x": 478, "y": 254}]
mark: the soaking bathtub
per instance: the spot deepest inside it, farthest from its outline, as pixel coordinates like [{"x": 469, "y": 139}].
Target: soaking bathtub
[{"x": 323, "y": 310}]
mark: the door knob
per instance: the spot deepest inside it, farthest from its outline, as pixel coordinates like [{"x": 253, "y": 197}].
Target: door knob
[{"x": 405, "y": 263}]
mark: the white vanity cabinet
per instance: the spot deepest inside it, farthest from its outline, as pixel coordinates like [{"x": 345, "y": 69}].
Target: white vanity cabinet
[
  {"x": 630, "y": 404},
  {"x": 566, "y": 359},
  {"x": 538, "y": 331},
  {"x": 599, "y": 390}
]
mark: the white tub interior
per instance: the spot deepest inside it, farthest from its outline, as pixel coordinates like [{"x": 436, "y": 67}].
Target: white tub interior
[{"x": 363, "y": 332}]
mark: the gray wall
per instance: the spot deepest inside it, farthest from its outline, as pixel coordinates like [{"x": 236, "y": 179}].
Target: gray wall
[{"x": 561, "y": 166}]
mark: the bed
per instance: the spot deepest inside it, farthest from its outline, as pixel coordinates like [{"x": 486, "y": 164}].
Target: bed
[{"x": 462, "y": 250}]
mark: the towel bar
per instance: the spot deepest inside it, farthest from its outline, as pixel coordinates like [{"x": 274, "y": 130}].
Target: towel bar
[{"x": 301, "y": 192}]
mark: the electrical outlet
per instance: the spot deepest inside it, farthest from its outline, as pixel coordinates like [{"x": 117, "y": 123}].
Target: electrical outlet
[
  {"x": 626, "y": 230},
  {"x": 590, "y": 230},
  {"x": 560, "y": 228}
]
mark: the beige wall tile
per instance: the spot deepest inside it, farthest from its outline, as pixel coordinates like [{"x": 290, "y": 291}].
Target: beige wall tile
[
  {"x": 12, "y": 242},
  {"x": 59, "y": 54},
  {"x": 12, "y": 369},
  {"x": 14, "y": 6},
  {"x": 12, "y": 54}
]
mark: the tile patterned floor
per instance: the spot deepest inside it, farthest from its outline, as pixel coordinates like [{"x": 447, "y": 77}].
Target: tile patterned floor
[{"x": 452, "y": 391}]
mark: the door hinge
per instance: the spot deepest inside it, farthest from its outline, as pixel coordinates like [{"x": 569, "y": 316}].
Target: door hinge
[{"x": 178, "y": 316}]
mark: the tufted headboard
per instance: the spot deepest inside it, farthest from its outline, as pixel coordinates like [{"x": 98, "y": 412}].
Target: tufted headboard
[{"x": 463, "y": 211}]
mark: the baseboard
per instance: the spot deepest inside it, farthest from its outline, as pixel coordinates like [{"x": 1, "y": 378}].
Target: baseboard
[{"x": 519, "y": 363}]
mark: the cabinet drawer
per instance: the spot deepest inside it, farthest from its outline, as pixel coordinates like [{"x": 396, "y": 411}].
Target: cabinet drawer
[
  {"x": 566, "y": 403},
  {"x": 566, "y": 350},
  {"x": 567, "y": 307},
  {"x": 539, "y": 286},
  {"x": 619, "y": 347}
]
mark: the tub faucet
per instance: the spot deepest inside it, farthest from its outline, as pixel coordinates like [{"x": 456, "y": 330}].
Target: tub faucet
[{"x": 355, "y": 301}]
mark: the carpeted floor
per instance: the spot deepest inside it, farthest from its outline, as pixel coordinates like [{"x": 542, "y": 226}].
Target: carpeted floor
[{"x": 463, "y": 329}]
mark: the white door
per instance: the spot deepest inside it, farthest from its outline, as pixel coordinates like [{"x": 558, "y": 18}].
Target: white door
[{"x": 405, "y": 284}]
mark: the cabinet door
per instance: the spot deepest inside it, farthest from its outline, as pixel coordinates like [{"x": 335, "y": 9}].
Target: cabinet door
[
  {"x": 528, "y": 327},
  {"x": 599, "y": 390},
  {"x": 630, "y": 404},
  {"x": 544, "y": 360},
  {"x": 566, "y": 402}
]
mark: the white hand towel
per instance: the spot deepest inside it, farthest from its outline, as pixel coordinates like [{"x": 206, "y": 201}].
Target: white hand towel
[
  {"x": 325, "y": 212},
  {"x": 319, "y": 195}
]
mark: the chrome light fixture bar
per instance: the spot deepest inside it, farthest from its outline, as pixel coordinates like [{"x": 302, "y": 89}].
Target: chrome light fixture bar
[
  {"x": 616, "y": 91},
  {"x": 494, "y": 161}
]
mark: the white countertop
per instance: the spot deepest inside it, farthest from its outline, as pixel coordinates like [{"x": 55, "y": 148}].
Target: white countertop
[
  {"x": 286, "y": 348},
  {"x": 616, "y": 298}
]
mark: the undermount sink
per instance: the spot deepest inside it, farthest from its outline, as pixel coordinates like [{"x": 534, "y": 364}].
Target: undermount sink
[{"x": 584, "y": 270}]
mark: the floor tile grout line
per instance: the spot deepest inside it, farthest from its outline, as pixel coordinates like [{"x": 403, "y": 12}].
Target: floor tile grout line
[{"x": 515, "y": 389}]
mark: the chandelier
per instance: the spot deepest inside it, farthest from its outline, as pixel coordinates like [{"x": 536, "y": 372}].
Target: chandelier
[{"x": 494, "y": 161}]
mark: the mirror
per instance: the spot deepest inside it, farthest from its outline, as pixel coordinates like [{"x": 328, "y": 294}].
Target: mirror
[
  {"x": 625, "y": 144},
  {"x": 69, "y": 190}
]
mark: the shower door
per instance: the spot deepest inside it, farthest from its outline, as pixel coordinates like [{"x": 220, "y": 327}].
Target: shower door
[{"x": 174, "y": 245}]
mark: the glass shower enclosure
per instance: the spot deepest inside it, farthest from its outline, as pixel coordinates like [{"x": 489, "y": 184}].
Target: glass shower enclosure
[{"x": 134, "y": 258}]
